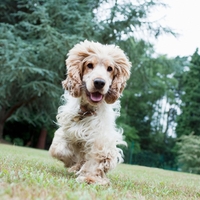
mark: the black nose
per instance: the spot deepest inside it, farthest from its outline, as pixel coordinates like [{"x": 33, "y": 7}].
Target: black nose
[{"x": 99, "y": 83}]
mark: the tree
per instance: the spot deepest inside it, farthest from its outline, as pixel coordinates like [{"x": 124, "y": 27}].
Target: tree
[
  {"x": 189, "y": 120},
  {"x": 119, "y": 20},
  {"x": 35, "y": 37},
  {"x": 189, "y": 153},
  {"x": 153, "y": 82}
]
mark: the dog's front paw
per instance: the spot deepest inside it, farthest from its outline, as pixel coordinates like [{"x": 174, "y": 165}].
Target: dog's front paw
[
  {"x": 75, "y": 168},
  {"x": 72, "y": 170},
  {"x": 90, "y": 179}
]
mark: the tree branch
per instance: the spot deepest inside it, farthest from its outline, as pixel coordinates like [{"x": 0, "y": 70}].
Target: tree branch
[{"x": 15, "y": 107}]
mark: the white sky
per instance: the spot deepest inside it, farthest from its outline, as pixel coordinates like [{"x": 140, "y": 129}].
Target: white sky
[{"x": 183, "y": 16}]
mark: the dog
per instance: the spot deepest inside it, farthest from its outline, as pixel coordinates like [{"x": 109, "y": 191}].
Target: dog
[{"x": 87, "y": 138}]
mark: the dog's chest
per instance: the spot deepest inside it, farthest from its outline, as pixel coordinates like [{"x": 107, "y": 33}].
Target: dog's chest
[{"x": 84, "y": 128}]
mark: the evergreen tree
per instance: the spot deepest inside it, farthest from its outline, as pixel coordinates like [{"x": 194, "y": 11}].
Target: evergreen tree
[
  {"x": 35, "y": 37},
  {"x": 189, "y": 120}
]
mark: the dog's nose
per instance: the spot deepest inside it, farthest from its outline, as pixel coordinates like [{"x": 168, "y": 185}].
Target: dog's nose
[{"x": 99, "y": 83}]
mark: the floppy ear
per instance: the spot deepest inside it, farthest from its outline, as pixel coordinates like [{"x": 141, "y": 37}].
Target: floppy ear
[
  {"x": 74, "y": 65},
  {"x": 118, "y": 84},
  {"x": 73, "y": 81},
  {"x": 121, "y": 74}
]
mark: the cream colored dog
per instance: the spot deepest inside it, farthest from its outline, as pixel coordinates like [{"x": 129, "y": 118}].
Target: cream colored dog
[{"x": 88, "y": 137}]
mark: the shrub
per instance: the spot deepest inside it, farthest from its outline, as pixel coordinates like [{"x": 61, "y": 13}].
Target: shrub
[{"x": 189, "y": 153}]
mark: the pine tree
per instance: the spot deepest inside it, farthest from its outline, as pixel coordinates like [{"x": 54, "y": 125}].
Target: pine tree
[
  {"x": 189, "y": 120},
  {"x": 34, "y": 41}
]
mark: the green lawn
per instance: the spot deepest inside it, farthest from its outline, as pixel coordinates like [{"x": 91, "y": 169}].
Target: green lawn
[{"x": 27, "y": 173}]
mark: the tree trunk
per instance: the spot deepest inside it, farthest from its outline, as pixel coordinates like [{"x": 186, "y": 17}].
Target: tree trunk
[
  {"x": 1, "y": 134},
  {"x": 1, "y": 130},
  {"x": 42, "y": 139},
  {"x": 2, "y": 121}
]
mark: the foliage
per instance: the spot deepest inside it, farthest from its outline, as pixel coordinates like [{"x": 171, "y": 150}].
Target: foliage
[
  {"x": 119, "y": 20},
  {"x": 35, "y": 37},
  {"x": 189, "y": 119},
  {"x": 150, "y": 100},
  {"x": 28, "y": 77},
  {"x": 27, "y": 173},
  {"x": 189, "y": 153}
]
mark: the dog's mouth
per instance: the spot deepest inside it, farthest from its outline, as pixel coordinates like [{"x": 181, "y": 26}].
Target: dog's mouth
[{"x": 95, "y": 96}]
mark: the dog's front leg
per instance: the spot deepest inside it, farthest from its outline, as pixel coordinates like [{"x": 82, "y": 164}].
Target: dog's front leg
[
  {"x": 99, "y": 161},
  {"x": 62, "y": 149},
  {"x": 92, "y": 173}
]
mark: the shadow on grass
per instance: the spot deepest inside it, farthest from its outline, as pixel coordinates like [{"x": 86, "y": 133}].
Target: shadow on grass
[{"x": 61, "y": 172}]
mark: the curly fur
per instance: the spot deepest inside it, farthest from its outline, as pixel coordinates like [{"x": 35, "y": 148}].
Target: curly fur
[{"x": 87, "y": 138}]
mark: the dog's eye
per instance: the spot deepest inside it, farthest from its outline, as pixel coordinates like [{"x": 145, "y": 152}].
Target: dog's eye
[
  {"x": 90, "y": 66},
  {"x": 109, "y": 69}
]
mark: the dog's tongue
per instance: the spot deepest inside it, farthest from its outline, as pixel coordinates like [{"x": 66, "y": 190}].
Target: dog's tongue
[{"x": 96, "y": 96}]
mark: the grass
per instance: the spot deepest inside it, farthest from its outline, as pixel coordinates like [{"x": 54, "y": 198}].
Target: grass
[{"x": 27, "y": 173}]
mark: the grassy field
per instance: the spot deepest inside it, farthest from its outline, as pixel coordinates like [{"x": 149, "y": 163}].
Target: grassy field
[{"x": 27, "y": 173}]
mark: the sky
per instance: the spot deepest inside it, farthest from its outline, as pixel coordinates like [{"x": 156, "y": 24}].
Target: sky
[{"x": 183, "y": 16}]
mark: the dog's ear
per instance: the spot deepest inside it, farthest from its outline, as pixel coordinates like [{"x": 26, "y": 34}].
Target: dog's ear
[
  {"x": 74, "y": 64},
  {"x": 122, "y": 74},
  {"x": 73, "y": 81}
]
